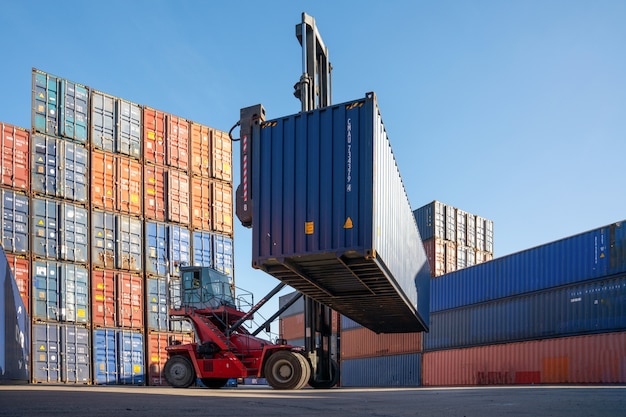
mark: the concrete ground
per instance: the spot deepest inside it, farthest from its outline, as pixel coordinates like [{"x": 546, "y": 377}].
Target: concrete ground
[{"x": 114, "y": 401}]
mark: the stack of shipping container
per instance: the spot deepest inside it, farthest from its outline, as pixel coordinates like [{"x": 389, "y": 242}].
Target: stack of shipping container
[
  {"x": 103, "y": 200},
  {"x": 453, "y": 238},
  {"x": 555, "y": 313}
]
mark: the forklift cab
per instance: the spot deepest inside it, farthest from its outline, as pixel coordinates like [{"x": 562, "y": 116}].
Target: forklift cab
[{"x": 204, "y": 287}]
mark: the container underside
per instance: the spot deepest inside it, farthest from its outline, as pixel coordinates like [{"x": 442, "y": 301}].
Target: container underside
[{"x": 350, "y": 284}]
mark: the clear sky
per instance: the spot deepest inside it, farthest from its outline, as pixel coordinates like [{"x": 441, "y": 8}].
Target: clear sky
[{"x": 512, "y": 110}]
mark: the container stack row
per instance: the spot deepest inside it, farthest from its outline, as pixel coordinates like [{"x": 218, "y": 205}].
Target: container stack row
[
  {"x": 453, "y": 238},
  {"x": 103, "y": 201}
]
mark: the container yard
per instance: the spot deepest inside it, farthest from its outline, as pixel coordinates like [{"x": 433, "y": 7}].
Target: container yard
[{"x": 118, "y": 257}]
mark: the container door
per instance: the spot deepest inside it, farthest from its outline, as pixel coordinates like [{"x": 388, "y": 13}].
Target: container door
[
  {"x": 129, "y": 178},
  {"x": 103, "y": 130},
  {"x": 222, "y": 207},
  {"x": 222, "y": 155},
  {"x": 46, "y": 355},
  {"x": 129, "y": 246},
  {"x": 130, "y": 349},
  {"x": 103, "y": 239},
  {"x": 177, "y": 142},
  {"x": 14, "y": 165},
  {"x": 73, "y": 181},
  {"x": 154, "y": 135},
  {"x": 105, "y": 356},
  {"x": 156, "y": 303},
  {"x": 45, "y": 228},
  {"x": 45, "y": 103},
  {"x": 130, "y": 300},
  {"x": 201, "y": 204},
  {"x": 180, "y": 244},
  {"x": 15, "y": 215},
  {"x": 177, "y": 196},
  {"x": 45, "y": 291},
  {"x": 129, "y": 129},
  {"x": 202, "y": 249},
  {"x": 156, "y": 250},
  {"x": 73, "y": 233},
  {"x": 45, "y": 165},
  {"x": 74, "y": 299},
  {"x": 154, "y": 184},
  {"x": 76, "y": 358},
  {"x": 73, "y": 110},
  {"x": 223, "y": 254},
  {"x": 200, "y": 150}
]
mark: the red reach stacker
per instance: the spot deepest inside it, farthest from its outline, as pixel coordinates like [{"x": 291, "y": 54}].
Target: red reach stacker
[{"x": 225, "y": 349}]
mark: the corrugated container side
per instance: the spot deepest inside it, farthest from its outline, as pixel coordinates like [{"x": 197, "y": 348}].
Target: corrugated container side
[
  {"x": 14, "y": 162},
  {"x": 296, "y": 308},
  {"x": 129, "y": 239},
  {"x": 347, "y": 323},
  {"x": 59, "y": 168},
  {"x": 129, "y": 126},
  {"x": 130, "y": 182},
  {"x": 118, "y": 356},
  {"x": 589, "y": 359},
  {"x": 384, "y": 371},
  {"x": 177, "y": 196},
  {"x": 103, "y": 123},
  {"x": 223, "y": 254},
  {"x": 431, "y": 220},
  {"x": 157, "y": 355},
  {"x": 585, "y": 256},
  {"x": 436, "y": 253},
  {"x": 20, "y": 267},
  {"x": 363, "y": 343},
  {"x": 73, "y": 233},
  {"x": 336, "y": 227},
  {"x": 130, "y": 299},
  {"x": 103, "y": 239},
  {"x": 201, "y": 203},
  {"x": 15, "y": 218},
  {"x": 155, "y": 206},
  {"x": 45, "y": 227},
  {"x": 157, "y": 305},
  {"x": 179, "y": 248},
  {"x": 156, "y": 248},
  {"x": 222, "y": 207},
  {"x": 201, "y": 158},
  {"x": 61, "y": 353},
  {"x": 291, "y": 327},
  {"x": 131, "y": 357},
  {"x": 177, "y": 142},
  {"x": 222, "y": 154},
  {"x": 590, "y": 307},
  {"x": 202, "y": 249},
  {"x": 154, "y": 135},
  {"x": 117, "y": 299},
  {"x": 103, "y": 181}
]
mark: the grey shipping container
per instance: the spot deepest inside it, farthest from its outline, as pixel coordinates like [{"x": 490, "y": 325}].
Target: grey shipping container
[
  {"x": 61, "y": 353},
  {"x": 296, "y": 308},
  {"x": 383, "y": 371},
  {"x": 331, "y": 217},
  {"x": 15, "y": 218},
  {"x": 60, "y": 292}
]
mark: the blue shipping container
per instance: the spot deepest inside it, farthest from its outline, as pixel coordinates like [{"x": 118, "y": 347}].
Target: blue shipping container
[
  {"x": 590, "y": 307},
  {"x": 598, "y": 253},
  {"x": 383, "y": 371},
  {"x": 60, "y": 292},
  {"x": 14, "y": 329},
  {"x": 179, "y": 248},
  {"x": 223, "y": 254},
  {"x": 15, "y": 219},
  {"x": 157, "y": 305},
  {"x": 73, "y": 233},
  {"x": 156, "y": 248},
  {"x": 103, "y": 244},
  {"x": 331, "y": 218},
  {"x": 118, "y": 357},
  {"x": 61, "y": 353},
  {"x": 60, "y": 107},
  {"x": 129, "y": 243},
  {"x": 202, "y": 249},
  {"x": 45, "y": 227}
]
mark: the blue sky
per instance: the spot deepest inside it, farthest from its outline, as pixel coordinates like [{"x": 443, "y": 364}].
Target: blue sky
[{"x": 513, "y": 110}]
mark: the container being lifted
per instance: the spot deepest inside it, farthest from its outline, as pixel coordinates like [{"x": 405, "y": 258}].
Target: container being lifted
[{"x": 330, "y": 215}]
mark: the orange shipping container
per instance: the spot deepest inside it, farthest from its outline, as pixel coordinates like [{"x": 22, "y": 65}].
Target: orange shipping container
[
  {"x": 20, "y": 267},
  {"x": 201, "y": 203},
  {"x": 129, "y": 176},
  {"x": 157, "y": 355},
  {"x": 117, "y": 299},
  {"x": 364, "y": 343},
  {"x": 177, "y": 153},
  {"x": 177, "y": 196},
  {"x": 200, "y": 150},
  {"x": 103, "y": 182},
  {"x": 154, "y": 135},
  {"x": 223, "y": 207},
  {"x": 14, "y": 162},
  {"x": 154, "y": 185},
  {"x": 291, "y": 327},
  {"x": 222, "y": 155},
  {"x": 589, "y": 359}
]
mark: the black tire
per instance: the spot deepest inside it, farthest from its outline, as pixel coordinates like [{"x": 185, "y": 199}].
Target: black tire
[
  {"x": 306, "y": 374},
  {"x": 179, "y": 372},
  {"x": 214, "y": 383},
  {"x": 285, "y": 370},
  {"x": 334, "y": 378}
]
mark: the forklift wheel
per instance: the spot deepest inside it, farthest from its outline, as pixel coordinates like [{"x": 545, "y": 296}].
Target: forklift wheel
[
  {"x": 334, "y": 378},
  {"x": 285, "y": 370},
  {"x": 179, "y": 372}
]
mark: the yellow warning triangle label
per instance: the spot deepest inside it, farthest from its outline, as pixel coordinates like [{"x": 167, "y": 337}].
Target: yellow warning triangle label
[
  {"x": 42, "y": 347},
  {"x": 40, "y": 159},
  {"x": 40, "y": 223},
  {"x": 602, "y": 255},
  {"x": 348, "y": 223}
]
